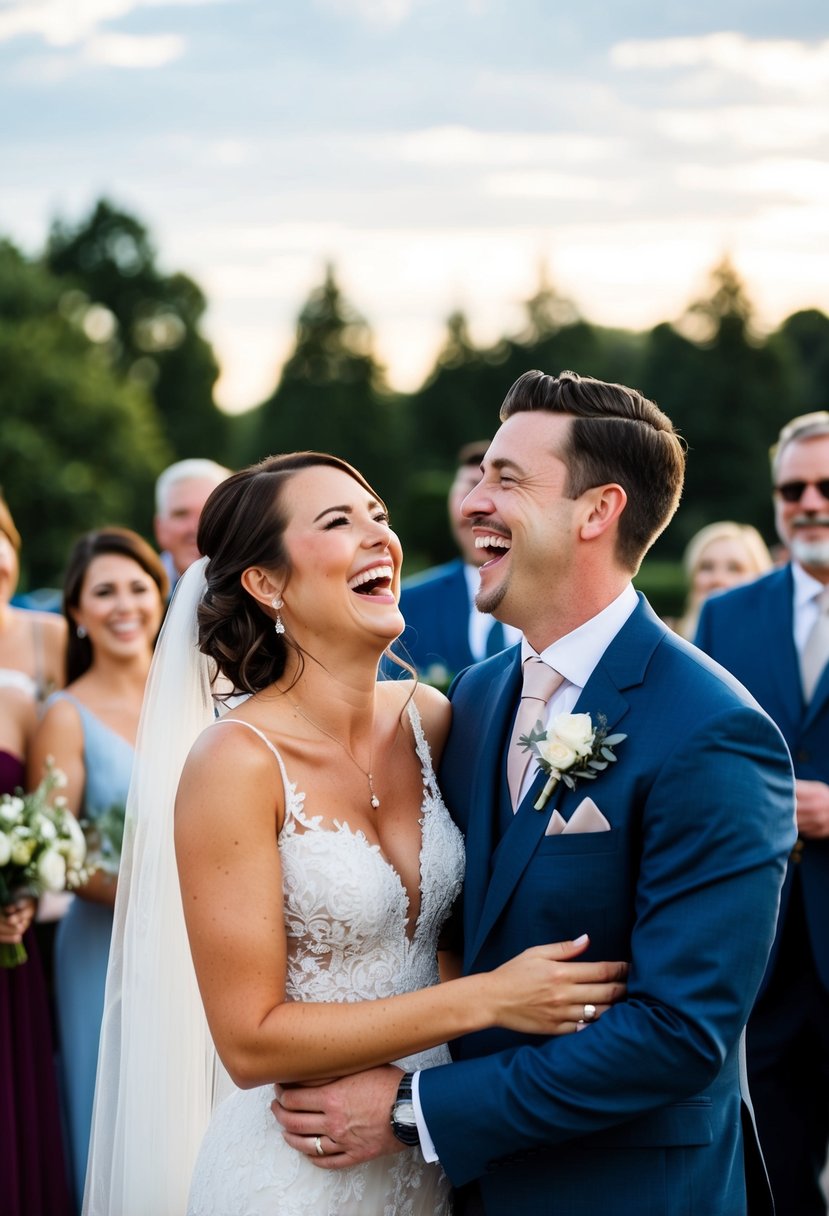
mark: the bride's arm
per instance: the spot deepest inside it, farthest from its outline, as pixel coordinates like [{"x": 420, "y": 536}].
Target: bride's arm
[{"x": 227, "y": 815}]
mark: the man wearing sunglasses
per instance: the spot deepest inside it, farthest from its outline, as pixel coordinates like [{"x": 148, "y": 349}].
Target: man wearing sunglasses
[{"x": 773, "y": 635}]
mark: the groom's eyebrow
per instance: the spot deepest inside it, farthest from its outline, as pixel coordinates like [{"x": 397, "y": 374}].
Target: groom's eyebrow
[{"x": 503, "y": 462}]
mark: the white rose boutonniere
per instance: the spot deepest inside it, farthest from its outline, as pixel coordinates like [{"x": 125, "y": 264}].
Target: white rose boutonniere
[{"x": 572, "y": 748}]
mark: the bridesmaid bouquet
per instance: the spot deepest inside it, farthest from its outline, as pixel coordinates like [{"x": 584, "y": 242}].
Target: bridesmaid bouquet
[{"x": 42, "y": 848}]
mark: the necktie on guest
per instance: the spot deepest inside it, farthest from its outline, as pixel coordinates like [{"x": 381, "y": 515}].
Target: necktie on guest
[
  {"x": 540, "y": 682},
  {"x": 816, "y": 651},
  {"x": 496, "y": 640}
]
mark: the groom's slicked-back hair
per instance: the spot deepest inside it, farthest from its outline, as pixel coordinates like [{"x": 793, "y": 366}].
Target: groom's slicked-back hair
[{"x": 619, "y": 436}]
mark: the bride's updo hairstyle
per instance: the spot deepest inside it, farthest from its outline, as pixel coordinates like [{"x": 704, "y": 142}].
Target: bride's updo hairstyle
[{"x": 243, "y": 524}]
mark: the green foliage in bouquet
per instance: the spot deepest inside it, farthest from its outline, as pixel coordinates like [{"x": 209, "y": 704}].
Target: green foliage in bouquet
[
  {"x": 42, "y": 848},
  {"x": 104, "y": 838}
]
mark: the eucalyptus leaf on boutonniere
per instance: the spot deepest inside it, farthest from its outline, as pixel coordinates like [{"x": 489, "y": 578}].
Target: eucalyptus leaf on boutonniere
[{"x": 571, "y": 749}]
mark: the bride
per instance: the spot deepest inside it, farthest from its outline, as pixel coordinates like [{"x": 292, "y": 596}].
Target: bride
[{"x": 317, "y": 865}]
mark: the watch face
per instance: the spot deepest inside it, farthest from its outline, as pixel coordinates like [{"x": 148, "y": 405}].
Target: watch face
[{"x": 404, "y": 1112}]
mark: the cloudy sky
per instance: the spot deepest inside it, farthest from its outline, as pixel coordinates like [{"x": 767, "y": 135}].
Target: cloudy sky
[{"x": 437, "y": 151}]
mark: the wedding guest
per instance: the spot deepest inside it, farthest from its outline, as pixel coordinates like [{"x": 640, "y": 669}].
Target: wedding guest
[
  {"x": 773, "y": 635},
  {"x": 180, "y": 493},
  {"x": 719, "y": 557},
  {"x": 445, "y": 632},
  {"x": 32, "y": 1170},
  {"x": 113, "y": 599}
]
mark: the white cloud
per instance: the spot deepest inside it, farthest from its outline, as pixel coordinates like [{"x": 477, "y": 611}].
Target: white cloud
[
  {"x": 453, "y": 145},
  {"x": 132, "y": 51},
  {"x": 57, "y": 22},
  {"x": 559, "y": 185},
  {"x": 802, "y": 181},
  {"x": 63, "y": 23},
  {"x": 751, "y": 127},
  {"x": 372, "y": 12},
  {"x": 799, "y": 67}
]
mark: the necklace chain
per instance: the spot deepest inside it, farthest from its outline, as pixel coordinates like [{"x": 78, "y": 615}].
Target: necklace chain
[{"x": 375, "y": 801}]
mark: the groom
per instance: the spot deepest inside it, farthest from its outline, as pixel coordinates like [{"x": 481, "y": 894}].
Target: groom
[{"x": 673, "y": 857}]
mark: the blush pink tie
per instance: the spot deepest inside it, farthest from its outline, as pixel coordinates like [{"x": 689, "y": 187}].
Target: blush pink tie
[{"x": 540, "y": 682}]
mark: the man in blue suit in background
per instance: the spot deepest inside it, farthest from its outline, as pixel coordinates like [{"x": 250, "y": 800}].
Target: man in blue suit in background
[
  {"x": 444, "y": 631},
  {"x": 672, "y": 857},
  {"x": 774, "y": 636}
]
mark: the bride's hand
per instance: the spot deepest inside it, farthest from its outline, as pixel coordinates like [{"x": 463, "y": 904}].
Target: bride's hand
[{"x": 541, "y": 992}]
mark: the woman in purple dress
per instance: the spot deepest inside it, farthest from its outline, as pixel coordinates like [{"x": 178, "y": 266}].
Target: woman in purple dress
[{"x": 32, "y": 1171}]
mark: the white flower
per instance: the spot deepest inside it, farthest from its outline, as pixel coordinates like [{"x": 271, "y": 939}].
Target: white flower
[
  {"x": 76, "y": 841},
  {"x": 45, "y": 828},
  {"x": 5, "y": 849},
  {"x": 51, "y": 870},
  {"x": 571, "y": 750},
  {"x": 11, "y": 808},
  {"x": 557, "y": 753},
  {"x": 23, "y": 847},
  {"x": 576, "y": 730}
]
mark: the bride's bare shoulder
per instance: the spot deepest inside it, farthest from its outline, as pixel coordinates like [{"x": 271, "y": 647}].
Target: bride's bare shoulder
[{"x": 433, "y": 707}]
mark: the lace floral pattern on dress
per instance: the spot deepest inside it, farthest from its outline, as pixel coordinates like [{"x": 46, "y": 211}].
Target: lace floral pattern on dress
[{"x": 349, "y": 939}]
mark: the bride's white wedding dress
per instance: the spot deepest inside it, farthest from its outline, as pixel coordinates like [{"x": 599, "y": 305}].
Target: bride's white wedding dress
[{"x": 349, "y": 939}]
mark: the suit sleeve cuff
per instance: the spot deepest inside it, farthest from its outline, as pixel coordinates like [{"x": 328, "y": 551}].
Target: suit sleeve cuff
[{"x": 427, "y": 1146}]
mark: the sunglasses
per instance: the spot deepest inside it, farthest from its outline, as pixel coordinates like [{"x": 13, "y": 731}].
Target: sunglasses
[{"x": 793, "y": 491}]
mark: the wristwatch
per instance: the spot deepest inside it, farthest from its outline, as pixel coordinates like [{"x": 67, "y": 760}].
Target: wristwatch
[{"x": 402, "y": 1117}]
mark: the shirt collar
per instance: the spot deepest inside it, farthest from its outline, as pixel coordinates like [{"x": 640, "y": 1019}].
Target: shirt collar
[
  {"x": 576, "y": 655},
  {"x": 806, "y": 588}
]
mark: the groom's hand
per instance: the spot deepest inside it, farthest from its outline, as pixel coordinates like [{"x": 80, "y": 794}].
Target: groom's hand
[{"x": 341, "y": 1122}]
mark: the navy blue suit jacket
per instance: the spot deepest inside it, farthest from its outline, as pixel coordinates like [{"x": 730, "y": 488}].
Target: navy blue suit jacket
[
  {"x": 640, "y": 1114},
  {"x": 435, "y": 607},
  {"x": 750, "y": 631}
]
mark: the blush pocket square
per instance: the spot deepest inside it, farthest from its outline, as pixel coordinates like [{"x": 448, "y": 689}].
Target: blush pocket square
[{"x": 585, "y": 818}]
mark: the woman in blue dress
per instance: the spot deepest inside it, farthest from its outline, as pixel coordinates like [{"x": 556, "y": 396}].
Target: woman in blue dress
[{"x": 114, "y": 594}]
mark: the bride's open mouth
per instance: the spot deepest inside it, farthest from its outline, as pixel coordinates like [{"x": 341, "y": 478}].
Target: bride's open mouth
[{"x": 374, "y": 583}]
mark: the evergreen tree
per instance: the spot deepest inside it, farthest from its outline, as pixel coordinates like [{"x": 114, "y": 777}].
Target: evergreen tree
[
  {"x": 729, "y": 394},
  {"x": 151, "y": 322},
  {"x": 332, "y": 394},
  {"x": 81, "y": 448}
]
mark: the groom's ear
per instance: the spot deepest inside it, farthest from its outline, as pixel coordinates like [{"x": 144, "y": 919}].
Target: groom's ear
[
  {"x": 605, "y": 504},
  {"x": 263, "y": 585}
]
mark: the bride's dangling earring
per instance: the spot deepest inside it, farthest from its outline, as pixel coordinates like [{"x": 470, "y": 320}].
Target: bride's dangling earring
[{"x": 278, "y": 625}]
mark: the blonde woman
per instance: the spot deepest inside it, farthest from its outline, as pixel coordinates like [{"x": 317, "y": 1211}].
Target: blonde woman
[{"x": 719, "y": 557}]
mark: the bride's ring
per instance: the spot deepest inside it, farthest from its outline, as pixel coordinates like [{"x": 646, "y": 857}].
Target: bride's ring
[
  {"x": 318, "y": 1146},
  {"x": 589, "y": 1013}
]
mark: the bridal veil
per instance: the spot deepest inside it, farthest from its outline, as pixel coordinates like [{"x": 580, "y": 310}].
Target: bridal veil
[{"x": 158, "y": 1074}]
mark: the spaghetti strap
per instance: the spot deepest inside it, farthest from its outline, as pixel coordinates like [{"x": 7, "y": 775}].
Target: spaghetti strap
[
  {"x": 423, "y": 750},
  {"x": 289, "y": 787},
  {"x": 39, "y": 655}
]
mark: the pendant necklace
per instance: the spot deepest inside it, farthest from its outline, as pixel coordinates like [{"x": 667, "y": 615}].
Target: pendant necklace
[{"x": 375, "y": 801}]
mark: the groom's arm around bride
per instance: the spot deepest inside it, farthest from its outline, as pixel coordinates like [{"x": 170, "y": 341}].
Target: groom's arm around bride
[{"x": 675, "y": 862}]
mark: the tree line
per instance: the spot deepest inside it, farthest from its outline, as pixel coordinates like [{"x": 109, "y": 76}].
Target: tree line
[{"x": 107, "y": 377}]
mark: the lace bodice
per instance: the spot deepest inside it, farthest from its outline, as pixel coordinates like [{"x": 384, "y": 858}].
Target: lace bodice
[
  {"x": 346, "y": 908},
  {"x": 349, "y": 939}
]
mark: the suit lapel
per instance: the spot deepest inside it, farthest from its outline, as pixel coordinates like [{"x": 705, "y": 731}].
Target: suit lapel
[
  {"x": 485, "y": 774},
  {"x": 783, "y": 660},
  {"x": 455, "y": 619},
  {"x": 622, "y": 666}
]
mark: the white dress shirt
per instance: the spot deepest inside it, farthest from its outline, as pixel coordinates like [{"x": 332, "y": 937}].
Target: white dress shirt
[{"x": 575, "y": 656}]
